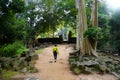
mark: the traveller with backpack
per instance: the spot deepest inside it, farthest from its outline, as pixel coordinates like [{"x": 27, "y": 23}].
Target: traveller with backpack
[{"x": 55, "y": 52}]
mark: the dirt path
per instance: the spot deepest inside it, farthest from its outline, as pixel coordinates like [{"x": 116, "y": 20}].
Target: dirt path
[{"x": 49, "y": 70}]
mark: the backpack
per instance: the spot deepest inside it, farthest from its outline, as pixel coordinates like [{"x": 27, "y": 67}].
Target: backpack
[{"x": 55, "y": 51}]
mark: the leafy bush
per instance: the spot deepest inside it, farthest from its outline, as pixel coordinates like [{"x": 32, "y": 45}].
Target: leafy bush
[
  {"x": 12, "y": 49},
  {"x": 104, "y": 43},
  {"x": 94, "y": 33}
]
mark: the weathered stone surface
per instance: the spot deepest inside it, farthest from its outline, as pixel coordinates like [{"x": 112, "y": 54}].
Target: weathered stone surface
[
  {"x": 34, "y": 57},
  {"x": 89, "y": 63},
  {"x": 103, "y": 68},
  {"x": 104, "y": 63},
  {"x": 24, "y": 70},
  {"x": 20, "y": 63},
  {"x": 75, "y": 53},
  {"x": 88, "y": 70}
]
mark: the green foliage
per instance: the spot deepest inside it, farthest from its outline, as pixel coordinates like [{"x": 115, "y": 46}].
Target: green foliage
[
  {"x": 105, "y": 41},
  {"x": 50, "y": 14},
  {"x": 115, "y": 29},
  {"x": 17, "y": 6},
  {"x": 103, "y": 23},
  {"x": 12, "y": 49},
  {"x": 3, "y": 6},
  {"x": 8, "y": 21},
  {"x": 7, "y": 28},
  {"x": 20, "y": 31},
  {"x": 94, "y": 33},
  {"x": 8, "y": 74},
  {"x": 44, "y": 16}
]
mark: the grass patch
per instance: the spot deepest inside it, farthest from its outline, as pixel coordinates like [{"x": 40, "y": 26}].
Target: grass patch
[
  {"x": 38, "y": 51},
  {"x": 8, "y": 74}
]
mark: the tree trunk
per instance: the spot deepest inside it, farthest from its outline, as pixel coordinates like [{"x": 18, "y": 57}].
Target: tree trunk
[
  {"x": 84, "y": 44},
  {"x": 30, "y": 45},
  {"x": 83, "y": 26},
  {"x": 94, "y": 21},
  {"x": 94, "y": 14},
  {"x": 53, "y": 33},
  {"x": 78, "y": 39}
]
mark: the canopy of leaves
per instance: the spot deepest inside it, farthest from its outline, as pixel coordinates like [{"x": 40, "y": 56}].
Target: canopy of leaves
[
  {"x": 8, "y": 24},
  {"x": 46, "y": 15}
]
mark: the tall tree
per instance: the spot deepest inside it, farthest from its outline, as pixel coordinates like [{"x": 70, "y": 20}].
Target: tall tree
[
  {"x": 8, "y": 11},
  {"x": 84, "y": 44},
  {"x": 94, "y": 22}
]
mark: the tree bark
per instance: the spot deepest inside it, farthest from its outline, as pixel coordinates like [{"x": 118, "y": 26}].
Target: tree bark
[
  {"x": 94, "y": 21},
  {"x": 94, "y": 14},
  {"x": 78, "y": 39},
  {"x": 84, "y": 44}
]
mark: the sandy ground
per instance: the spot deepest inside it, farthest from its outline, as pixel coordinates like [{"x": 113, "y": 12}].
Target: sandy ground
[{"x": 50, "y": 70}]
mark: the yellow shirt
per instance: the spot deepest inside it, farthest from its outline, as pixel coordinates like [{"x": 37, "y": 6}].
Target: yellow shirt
[{"x": 55, "y": 49}]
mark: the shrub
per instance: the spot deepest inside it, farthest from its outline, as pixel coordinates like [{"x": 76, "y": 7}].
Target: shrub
[
  {"x": 94, "y": 33},
  {"x": 10, "y": 50}
]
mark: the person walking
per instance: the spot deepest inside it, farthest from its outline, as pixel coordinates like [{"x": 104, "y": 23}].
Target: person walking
[{"x": 55, "y": 52}]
